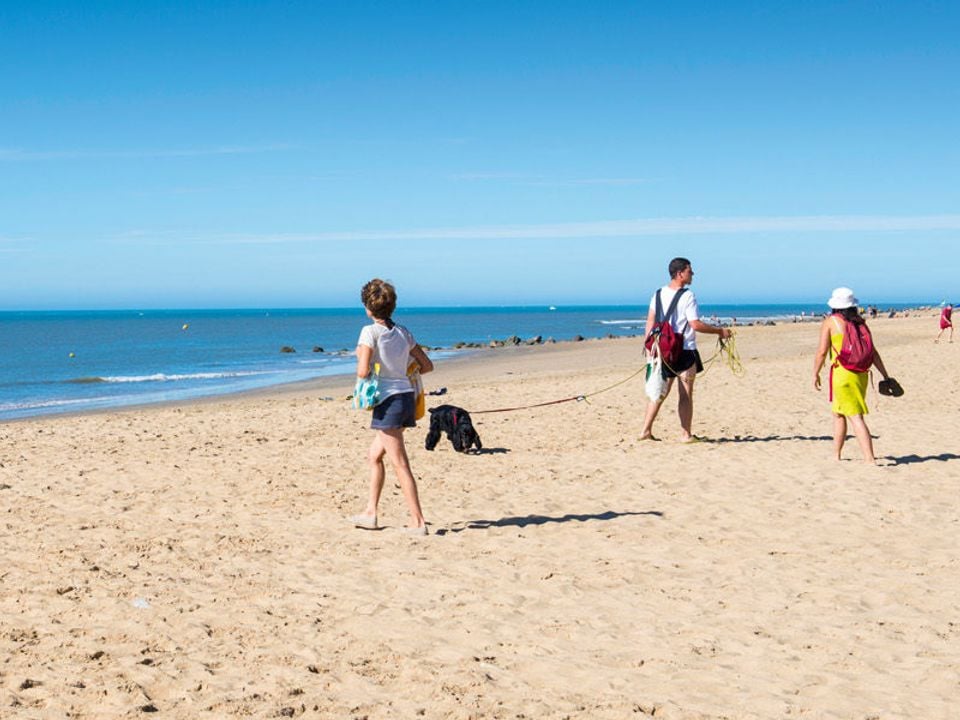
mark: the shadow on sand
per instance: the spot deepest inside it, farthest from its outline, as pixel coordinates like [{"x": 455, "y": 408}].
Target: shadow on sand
[
  {"x": 904, "y": 460},
  {"x": 911, "y": 459},
  {"x": 525, "y": 520},
  {"x": 768, "y": 438}
]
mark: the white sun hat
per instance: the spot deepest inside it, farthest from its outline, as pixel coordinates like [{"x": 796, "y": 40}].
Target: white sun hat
[{"x": 842, "y": 298}]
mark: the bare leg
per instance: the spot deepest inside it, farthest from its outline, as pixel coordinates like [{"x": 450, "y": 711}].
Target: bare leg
[
  {"x": 375, "y": 461},
  {"x": 652, "y": 409},
  {"x": 392, "y": 442},
  {"x": 839, "y": 433},
  {"x": 685, "y": 404},
  {"x": 862, "y": 432}
]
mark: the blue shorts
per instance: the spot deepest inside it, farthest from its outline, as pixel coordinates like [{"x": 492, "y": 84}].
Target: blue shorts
[{"x": 397, "y": 411}]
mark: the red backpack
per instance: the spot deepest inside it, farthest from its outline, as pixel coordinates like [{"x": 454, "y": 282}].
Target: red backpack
[
  {"x": 662, "y": 335},
  {"x": 856, "y": 351}
]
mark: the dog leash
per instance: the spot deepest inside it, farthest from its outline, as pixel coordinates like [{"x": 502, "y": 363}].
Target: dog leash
[{"x": 578, "y": 398}]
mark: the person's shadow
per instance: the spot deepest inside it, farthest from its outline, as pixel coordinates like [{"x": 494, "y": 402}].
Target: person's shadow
[
  {"x": 527, "y": 520},
  {"x": 904, "y": 460},
  {"x": 912, "y": 459},
  {"x": 767, "y": 438}
]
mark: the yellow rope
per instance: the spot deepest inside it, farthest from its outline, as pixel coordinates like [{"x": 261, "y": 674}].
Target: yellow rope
[{"x": 727, "y": 349}]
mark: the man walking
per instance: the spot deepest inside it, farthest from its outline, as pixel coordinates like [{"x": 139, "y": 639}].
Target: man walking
[{"x": 686, "y": 322}]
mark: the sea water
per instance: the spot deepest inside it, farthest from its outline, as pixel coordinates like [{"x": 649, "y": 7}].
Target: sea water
[{"x": 55, "y": 362}]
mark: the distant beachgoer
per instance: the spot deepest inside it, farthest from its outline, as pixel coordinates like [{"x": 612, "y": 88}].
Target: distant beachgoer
[
  {"x": 848, "y": 389},
  {"x": 686, "y": 322},
  {"x": 946, "y": 321},
  {"x": 391, "y": 346}
]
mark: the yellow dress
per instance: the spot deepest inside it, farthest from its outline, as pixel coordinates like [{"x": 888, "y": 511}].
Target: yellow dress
[{"x": 849, "y": 388}]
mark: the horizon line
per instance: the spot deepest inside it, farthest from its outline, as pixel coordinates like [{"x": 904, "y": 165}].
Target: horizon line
[{"x": 901, "y": 304}]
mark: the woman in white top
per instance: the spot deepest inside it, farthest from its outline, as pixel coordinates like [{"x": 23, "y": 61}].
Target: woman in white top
[{"x": 390, "y": 346}]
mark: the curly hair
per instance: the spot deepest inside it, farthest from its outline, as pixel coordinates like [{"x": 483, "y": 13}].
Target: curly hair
[{"x": 380, "y": 298}]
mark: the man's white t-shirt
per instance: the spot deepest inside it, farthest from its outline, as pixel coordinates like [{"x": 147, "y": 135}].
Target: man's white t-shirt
[{"x": 687, "y": 311}]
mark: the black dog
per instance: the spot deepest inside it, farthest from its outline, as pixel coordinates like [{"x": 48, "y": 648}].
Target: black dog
[{"x": 456, "y": 423}]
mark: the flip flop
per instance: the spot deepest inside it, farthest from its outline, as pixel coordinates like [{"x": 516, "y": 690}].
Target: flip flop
[
  {"x": 890, "y": 387},
  {"x": 691, "y": 440},
  {"x": 649, "y": 437}
]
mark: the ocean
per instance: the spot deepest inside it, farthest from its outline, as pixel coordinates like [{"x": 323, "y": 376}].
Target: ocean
[{"x": 57, "y": 362}]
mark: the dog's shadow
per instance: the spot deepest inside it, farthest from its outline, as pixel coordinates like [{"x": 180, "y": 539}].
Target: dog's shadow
[
  {"x": 492, "y": 451},
  {"x": 485, "y": 451},
  {"x": 527, "y": 520}
]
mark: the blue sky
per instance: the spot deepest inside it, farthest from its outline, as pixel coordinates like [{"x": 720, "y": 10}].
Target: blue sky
[{"x": 189, "y": 154}]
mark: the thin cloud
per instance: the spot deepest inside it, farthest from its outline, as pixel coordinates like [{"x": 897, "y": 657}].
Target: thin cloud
[
  {"x": 18, "y": 155},
  {"x": 544, "y": 180},
  {"x": 604, "y": 229},
  {"x": 482, "y": 176},
  {"x": 610, "y": 182},
  {"x": 12, "y": 245}
]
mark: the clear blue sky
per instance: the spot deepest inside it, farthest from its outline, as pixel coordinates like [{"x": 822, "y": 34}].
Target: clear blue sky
[{"x": 188, "y": 154}]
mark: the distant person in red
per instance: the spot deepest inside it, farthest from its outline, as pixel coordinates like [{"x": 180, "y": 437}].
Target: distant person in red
[{"x": 946, "y": 322}]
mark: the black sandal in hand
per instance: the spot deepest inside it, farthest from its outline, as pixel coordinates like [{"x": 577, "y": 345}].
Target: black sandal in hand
[{"x": 890, "y": 387}]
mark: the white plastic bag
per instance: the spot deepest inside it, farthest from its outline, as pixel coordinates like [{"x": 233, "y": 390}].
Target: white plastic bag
[{"x": 656, "y": 386}]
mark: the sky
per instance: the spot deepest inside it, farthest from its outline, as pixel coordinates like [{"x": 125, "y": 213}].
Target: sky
[{"x": 280, "y": 154}]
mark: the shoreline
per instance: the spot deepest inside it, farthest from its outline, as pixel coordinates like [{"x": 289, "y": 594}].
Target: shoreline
[
  {"x": 340, "y": 384},
  {"x": 462, "y": 352}
]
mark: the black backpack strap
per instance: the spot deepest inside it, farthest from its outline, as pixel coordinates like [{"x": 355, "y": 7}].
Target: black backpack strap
[
  {"x": 659, "y": 315},
  {"x": 673, "y": 304}
]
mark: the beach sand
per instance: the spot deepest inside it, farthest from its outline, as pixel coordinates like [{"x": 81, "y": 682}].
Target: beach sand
[{"x": 194, "y": 560}]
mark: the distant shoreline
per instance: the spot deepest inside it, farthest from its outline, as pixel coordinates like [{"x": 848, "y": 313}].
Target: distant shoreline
[
  {"x": 337, "y": 386},
  {"x": 898, "y": 305}
]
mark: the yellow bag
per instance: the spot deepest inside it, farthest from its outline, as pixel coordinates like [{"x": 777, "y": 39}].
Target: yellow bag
[{"x": 420, "y": 406}]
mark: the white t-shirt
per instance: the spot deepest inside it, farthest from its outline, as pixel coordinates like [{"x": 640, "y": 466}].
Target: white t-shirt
[
  {"x": 687, "y": 311},
  {"x": 391, "y": 349}
]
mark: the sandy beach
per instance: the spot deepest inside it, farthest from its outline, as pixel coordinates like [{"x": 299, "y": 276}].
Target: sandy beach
[{"x": 194, "y": 561}]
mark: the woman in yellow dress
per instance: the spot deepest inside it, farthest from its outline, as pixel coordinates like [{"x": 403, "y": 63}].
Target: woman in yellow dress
[{"x": 848, "y": 388}]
